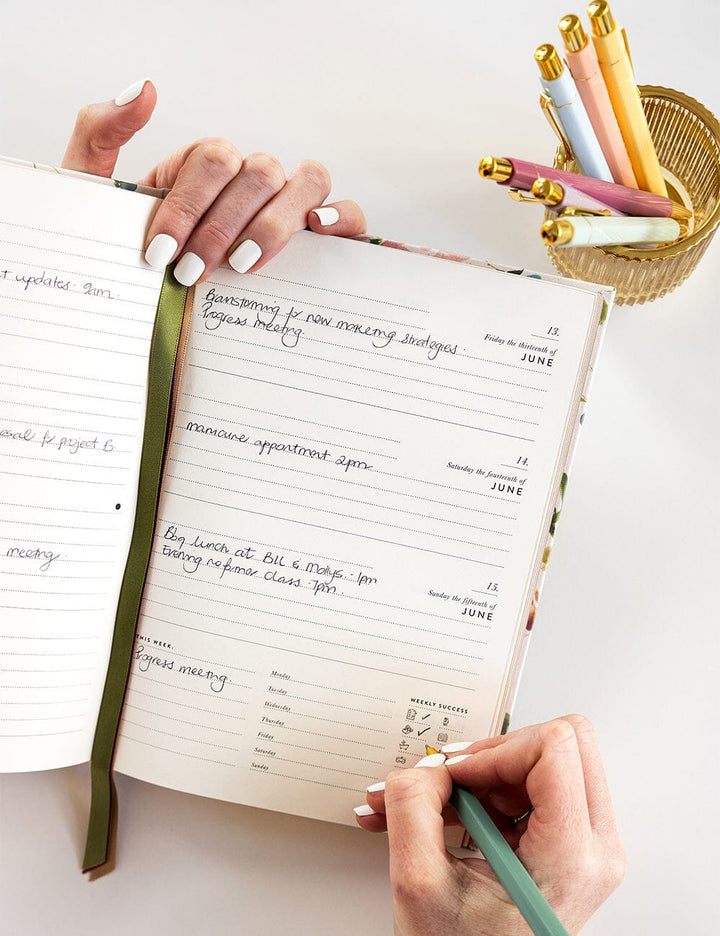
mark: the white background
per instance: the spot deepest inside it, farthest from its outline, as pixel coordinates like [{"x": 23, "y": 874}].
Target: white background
[{"x": 400, "y": 100}]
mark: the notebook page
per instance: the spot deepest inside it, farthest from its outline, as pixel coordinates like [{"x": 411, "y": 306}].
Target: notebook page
[
  {"x": 363, "y": 451},
  {"x": 77, "y": 305}
]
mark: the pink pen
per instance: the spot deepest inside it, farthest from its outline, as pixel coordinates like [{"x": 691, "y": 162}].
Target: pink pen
[
  {"x": 582, "y": 61},
  {"x": 520, "y": 174}
]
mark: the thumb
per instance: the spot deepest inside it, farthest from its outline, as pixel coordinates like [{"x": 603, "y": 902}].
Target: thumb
[{"x": 102, "y": 129}]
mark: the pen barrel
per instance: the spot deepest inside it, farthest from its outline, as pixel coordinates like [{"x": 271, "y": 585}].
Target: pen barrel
[
  {"x": 574, "y": 198},
  {"x": 605, "y": 232},
  {"x": 575, "y": 124},
  {"x": 507, "y": 866},
  {"x": 585, "y": 69},
  {"x": 631, "y": 201},
  {"x": 625, "y": 99}
]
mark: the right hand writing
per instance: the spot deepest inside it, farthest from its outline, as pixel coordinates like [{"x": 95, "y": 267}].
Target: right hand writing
[{"x": 569, "y": 842}]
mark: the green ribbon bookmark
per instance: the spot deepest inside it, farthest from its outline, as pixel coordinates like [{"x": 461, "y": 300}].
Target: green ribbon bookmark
[{"x": 163, "y": 353}]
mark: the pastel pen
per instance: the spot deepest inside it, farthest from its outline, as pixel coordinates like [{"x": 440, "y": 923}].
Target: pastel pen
[
  {"x": 609, "y": 232},
  {"x": 558, "y": 197},
  {"x": 520, "y": 174},
  {"x": 583, "y": 65},
  {"x": 569, "y": 111},
  {"x": 510, "y": 871},
  {"x": 612, "y": 51}
]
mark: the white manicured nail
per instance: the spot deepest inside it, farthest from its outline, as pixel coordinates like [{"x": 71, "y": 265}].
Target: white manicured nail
[
  {"x": 456, "y": 760},
  {"x": 189, "y": 269},
  {"x": 327, "y": 215},
  {"x": 376, "y": 787},
  {"x": 455, "y": 747},
  {"x": 245, "y": 256},
  {"x": 364, "y": 811},
  {"x": 432, "y": 760},
  {"x": 129, "y": 94},
  {"x": 160, "y": 251}
]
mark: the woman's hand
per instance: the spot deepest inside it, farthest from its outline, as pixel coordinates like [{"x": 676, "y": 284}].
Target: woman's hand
[
  {"x": 221, "y": 205},
  {"x": 568, "y": 841}
]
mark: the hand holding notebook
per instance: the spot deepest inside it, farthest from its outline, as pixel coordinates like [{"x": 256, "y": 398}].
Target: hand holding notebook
[{"x": 219, "y": 205}]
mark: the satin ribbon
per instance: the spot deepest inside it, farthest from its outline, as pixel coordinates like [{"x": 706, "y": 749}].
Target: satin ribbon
[{"x": 161, "y": 367}]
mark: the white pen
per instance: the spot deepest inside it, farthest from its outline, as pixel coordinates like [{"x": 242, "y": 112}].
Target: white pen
[
  {"x": 608, "y": 232},
  {"x": 569, "y": 111}
]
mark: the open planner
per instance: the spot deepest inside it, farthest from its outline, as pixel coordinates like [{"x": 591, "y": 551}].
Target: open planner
[{"x": 362, "y": 456}]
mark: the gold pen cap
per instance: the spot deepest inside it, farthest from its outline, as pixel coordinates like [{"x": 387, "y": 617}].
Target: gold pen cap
[
  {"x": 557, "y": 232},
  {"x": 548, "y": 192},
  {"x": 548, "y": 61},
  {"x": 572, "y": 33},
  {"x": 494, "y": 168},
  {"x": 601, "y": 19}
]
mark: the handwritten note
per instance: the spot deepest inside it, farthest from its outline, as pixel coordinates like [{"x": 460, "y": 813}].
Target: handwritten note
[
  {"x": 77, "y": 305},
  {"x": 365, "y": 450}
]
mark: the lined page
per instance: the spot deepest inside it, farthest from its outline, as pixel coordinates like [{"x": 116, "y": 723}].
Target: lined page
[
  {"x": 77, "y": 305},
  {"x": 365, "y": 449}
]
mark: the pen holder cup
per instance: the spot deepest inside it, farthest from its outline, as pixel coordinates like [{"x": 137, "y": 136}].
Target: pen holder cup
[{"x": 687, "y": 141}]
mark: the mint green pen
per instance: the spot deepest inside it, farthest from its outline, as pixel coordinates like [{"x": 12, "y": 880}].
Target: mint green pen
[{"x": 506, "y": 865}]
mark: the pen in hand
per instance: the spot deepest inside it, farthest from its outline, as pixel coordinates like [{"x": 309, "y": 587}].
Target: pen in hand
[
  {"x": 569, "y": 842},
  {"x": 505, "y": 863}
]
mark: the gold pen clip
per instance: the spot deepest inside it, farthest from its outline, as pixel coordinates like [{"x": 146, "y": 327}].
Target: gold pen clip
[
  {"x": 627, "y": 49},
  {"x": 519, "y": 196},
  {"x": 549, "y": 111},
  {"x": 572, "y": 212}
]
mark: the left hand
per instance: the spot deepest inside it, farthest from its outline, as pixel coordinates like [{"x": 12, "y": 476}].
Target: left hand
[{"x": 220, "y": 205}]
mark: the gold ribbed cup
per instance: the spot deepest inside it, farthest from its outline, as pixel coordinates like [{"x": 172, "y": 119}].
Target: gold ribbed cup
[{"x": 687, "y": 141}]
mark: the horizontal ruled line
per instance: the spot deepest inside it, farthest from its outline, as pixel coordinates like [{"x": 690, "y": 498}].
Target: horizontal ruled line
[
  {"x": 318, "y": 526},
  {"x": 365, "y": 388},
  {"x": 373, "y": 370},
  {"x": 390, "y": 409},
  {"x": 344, "y": 499},
  {"x": 159, "y": 747},
  {"x": 70, "y": 344},
  {"x": 304, "y": 653},
  {"x": 295, "y": 419}
]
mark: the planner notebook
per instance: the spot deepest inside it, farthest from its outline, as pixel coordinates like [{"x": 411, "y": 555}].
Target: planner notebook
[{"x": 334, "y": 519}]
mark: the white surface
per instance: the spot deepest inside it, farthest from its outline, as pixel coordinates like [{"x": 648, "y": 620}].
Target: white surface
[{"x": 400, "y": 101}]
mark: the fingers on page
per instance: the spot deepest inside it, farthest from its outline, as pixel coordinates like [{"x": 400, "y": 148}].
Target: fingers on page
[
  {"x": 284, "y": 214},
  {"x": 341, "y": 218},
  {"x": 196, "y": 217}
]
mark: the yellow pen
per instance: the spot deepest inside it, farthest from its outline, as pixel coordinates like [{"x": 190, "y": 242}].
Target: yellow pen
[{"x": 611, "y": 46}]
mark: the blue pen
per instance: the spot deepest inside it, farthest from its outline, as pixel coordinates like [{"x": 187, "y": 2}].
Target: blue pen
[{"x": 569, "y": 112}]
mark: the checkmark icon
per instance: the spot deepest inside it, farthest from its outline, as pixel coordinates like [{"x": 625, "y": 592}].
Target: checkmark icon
[
  {"x": 426, "y": 716},
  {"x": 421, "y": 733}
]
